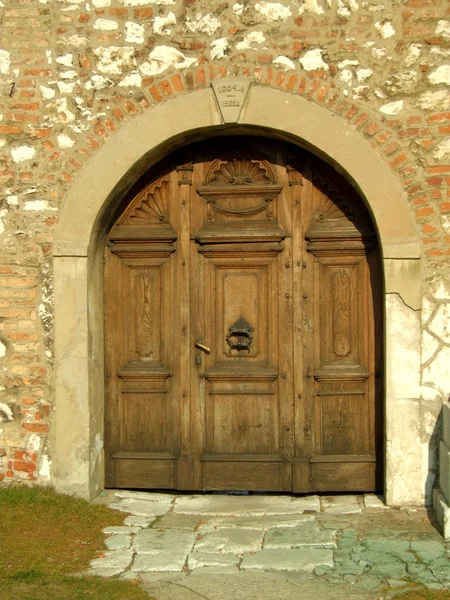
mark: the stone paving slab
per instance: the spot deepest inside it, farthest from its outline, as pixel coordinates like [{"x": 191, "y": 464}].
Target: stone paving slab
[
  {"x": 428, "y": 551},
  {"x": 138, "y": 521},
  {"x": 118, "y": 529},
  {"x": 208, "y": 535},
  {"x": 153, "y": 577},
  {"x": 244, "y": 506},
  {"x": 140, "y": 508},
  {"x": 341, "y": 500},
  {"x": 147, "y": 496},
  {"x": 374, "y": 501},
  {"x": 208, "y": 571},
  {"x": 263, "y": 522},
  {"x": 212, "y": 559},
  {"x": 342, "y": 505},
  {"x": 305, "y": 535},
  {"x": 174, "y": 561},
  {"x": 186, "y": 522},
  {"x": 163, "y": 541},
  {"x": 118, "y": 542},
  {"x": 114, "y": 559},
  {"x": 234, "y": 541},
  {"x": 253, "y": 586},
  {"x": 299, "y": 559}
]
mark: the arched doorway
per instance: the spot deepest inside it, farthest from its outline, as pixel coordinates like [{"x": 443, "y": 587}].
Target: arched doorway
[{"x": 243, "y": 326}]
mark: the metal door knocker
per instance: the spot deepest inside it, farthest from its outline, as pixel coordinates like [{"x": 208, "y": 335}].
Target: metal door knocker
[{"x": 239, "y": 335}]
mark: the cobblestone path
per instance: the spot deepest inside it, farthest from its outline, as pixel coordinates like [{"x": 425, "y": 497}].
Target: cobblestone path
[{"x": 351, "y": 541}]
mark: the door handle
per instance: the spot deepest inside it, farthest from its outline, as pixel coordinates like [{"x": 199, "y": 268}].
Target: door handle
[{"x": 201, "y": 346}]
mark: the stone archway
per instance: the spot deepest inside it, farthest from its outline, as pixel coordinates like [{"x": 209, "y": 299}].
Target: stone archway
[{"x": 84, "y": 221}]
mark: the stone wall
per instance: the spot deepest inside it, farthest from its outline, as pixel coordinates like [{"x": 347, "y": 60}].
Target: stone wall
[{"x": 72, "y": 73}]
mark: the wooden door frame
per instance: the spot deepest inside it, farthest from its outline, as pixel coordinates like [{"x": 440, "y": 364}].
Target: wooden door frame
[{"x": 88, "y": 212}]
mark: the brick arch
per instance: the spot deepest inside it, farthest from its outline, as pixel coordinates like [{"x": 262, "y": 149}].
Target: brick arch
[
  {"x": 117, "y": 163},
  {"x": 386, "y": 135},
  {"x": 337, "y": 140}
]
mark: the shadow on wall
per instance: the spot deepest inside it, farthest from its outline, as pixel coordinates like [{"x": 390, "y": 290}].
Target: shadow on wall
[{"x": 439, "y": 451}]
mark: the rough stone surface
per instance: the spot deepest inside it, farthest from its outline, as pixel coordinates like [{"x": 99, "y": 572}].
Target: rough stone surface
[
  {"x": 197, "y": 560},
  {"x": 305, "y": 535},
  {"x": 374, "y": 550},
  {"x": 373, "y": 501},
  {"x": 300, "y": 559},
  {"x": 263, "y": 522},
  {"x": 163, "y": 541},
  {"x": 234, "y": 541},
  {"x": 113, "y": 559},
  {"x": 118, "y": 542},
  {"x": 174, "y": 561},
  {"x": 240, "y": 506},
  {"x": 142, "y": 508}
]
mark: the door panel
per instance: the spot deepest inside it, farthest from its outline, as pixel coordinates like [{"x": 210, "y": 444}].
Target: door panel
[
  {"x": 243, "y": 327},
  {"x": 142, "y": 430}
]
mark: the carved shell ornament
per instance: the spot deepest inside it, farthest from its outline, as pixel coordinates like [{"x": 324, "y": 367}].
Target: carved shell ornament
[
  {"x": 240, "y": 172},
  {"x": 149, "y": 206},
  {"x": 239, "y": 186}
]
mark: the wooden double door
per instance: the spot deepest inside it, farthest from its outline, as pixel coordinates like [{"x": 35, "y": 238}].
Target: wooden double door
[{"x": 243, "y": 326}]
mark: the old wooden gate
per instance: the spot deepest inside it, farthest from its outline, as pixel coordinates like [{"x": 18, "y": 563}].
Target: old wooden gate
[{"x": 243, "y": 326}]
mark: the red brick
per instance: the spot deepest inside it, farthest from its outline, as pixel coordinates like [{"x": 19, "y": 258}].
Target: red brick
[
  {"x": 118, "y": 114},
  {"x": 291, "y": 82},
  {"x": 38, "y": 73},
  {"x": 177, "y": 83},
  {"x": 143, "y": 13},
  {"x": 279, "y": 79},
  {"x": 166, "y": 87},
  {"x": 200, "y": 75},
  {"x": 36, "y": 427},
  {"x": 264, "y": 59},
  {"x": 26, "y": 467},
  {"x": 351, "y": 112},
  {"x": 156, "y": 94},
  {"x": 92, "y": 143},
  {"x": 438, "y": 117},
  {"x": 439, "y": 169},
  {"x": 422, "y": 212},
  {"x": 11, "y": 129},
  {"x": 24, "y": 106},
  {"x": 435, "y": 181},
  {"x": 118, "y": 12}
]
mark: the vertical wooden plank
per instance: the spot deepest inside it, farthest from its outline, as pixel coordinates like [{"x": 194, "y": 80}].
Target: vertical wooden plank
[
  {"x": 182, "y": 202},
  {"x": 200, "y": 290},
  {"x": 300, "y": 450},
  {"x": 113, "y": 357},
  {"x": 305, "y": 414}
]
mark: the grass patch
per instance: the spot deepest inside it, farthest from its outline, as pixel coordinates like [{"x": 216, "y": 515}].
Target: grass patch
[
  {"x": 425, "y": 594},
  {"x": 46, "y": 539}
]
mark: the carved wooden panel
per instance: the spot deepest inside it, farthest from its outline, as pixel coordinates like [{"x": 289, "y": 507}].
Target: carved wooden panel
[
  {"x": 339, "y": 310},
  {"x": 241, "y": 295},
  {"x": 141, "y": 432},
  {"x": 145, "y": 319},
  {"x": 240, "y": 189},
  {"x": 339, "y": 238},
  {"x": 151, "y": 205}
]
